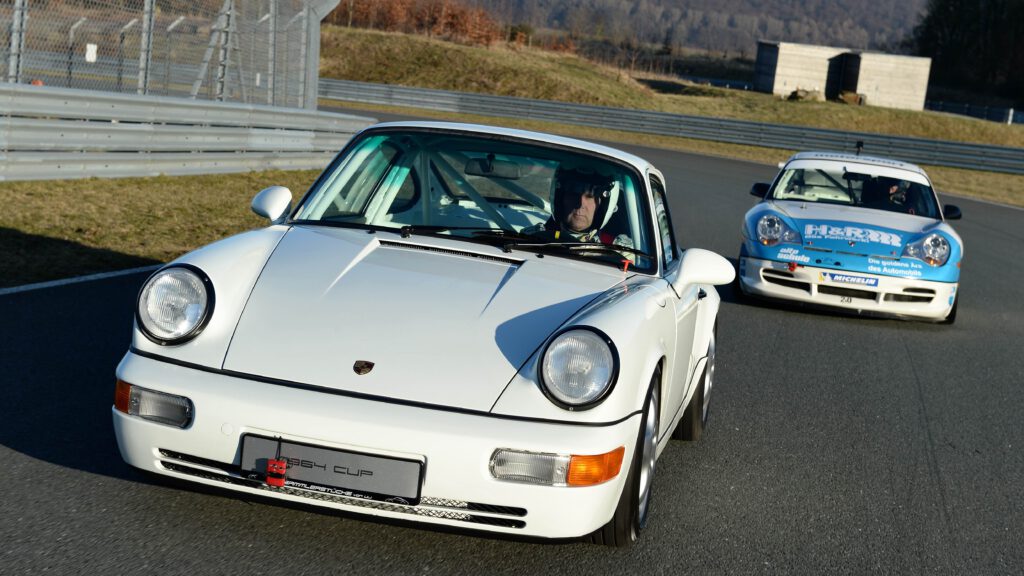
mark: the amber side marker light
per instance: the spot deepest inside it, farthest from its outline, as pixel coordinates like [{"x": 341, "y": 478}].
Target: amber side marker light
[
  {"x": 590, "y": 470},
  {"x": 152, "y": 405},
  {"x": 122, "y": 396}
]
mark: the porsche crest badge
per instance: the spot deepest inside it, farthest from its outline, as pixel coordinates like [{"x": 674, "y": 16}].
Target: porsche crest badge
[{"x": 362, "y": 367}]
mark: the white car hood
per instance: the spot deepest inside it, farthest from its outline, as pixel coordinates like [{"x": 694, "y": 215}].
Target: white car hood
[{"x": 444, "y": 322}]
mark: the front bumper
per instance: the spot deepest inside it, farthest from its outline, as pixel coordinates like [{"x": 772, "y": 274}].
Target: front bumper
[
  {"x": 457, "y": 489},
  {"x": 875, "y": 295}
]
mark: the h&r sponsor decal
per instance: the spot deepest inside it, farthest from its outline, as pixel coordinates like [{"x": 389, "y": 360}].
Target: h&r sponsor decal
[{"x": 851, "y": 233}]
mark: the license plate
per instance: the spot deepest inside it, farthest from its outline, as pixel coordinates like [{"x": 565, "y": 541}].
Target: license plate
[{"x": 337, "y": 472}]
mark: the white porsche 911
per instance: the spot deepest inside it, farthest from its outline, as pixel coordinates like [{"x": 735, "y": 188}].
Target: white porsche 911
[
  {"x": 458, "y": 325},
  {"x": 855, "y": 233}
]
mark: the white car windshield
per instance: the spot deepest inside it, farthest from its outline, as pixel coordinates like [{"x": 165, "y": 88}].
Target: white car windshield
[
  {"x": 487, "y": 189},
  {"x": 837, "y": 186}
]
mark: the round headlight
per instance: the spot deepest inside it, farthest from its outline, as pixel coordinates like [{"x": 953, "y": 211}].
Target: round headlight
[
  {"x": 175, "y": 304},
  {"x": 578, "y": 368},
  {"x": 935, "y": 249},
  {"x": 771, "y": 230}
]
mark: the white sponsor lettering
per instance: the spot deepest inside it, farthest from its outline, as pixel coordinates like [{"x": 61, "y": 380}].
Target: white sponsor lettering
[
  {"x": 793, "y": 255},
  {"x": 827, "y": 232},
  {"x": 904, "y": 268}
]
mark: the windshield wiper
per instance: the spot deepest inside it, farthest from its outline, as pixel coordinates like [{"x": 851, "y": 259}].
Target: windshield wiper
[
  {"x": 477, "y": 230},
  {"x": 577, "y": 247},
  {"x": 501, "y": 234}
]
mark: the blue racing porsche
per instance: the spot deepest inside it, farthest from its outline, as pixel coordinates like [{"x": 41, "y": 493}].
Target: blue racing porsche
[{"x": 853, "y": 232}]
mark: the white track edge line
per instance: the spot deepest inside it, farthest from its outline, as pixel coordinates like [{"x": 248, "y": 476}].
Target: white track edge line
[{"x": 76, "y": 280}]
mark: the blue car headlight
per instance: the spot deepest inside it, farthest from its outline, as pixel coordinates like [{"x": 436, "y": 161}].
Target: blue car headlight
[
  {"x": 772, "y": 230},
  {"x": 933, "y": 250}
]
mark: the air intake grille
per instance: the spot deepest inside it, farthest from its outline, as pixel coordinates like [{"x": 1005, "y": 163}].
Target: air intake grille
[
  {"x": 908, "y": 298},
  {"x": 785, "y": 279},
  {"x": 428, "y": 507}
]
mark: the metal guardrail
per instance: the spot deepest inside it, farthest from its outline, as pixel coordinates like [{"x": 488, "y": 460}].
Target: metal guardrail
[
  {"x": 50, "y": 133},
  {"x": 990, "y": 113},
  {"x": 916, "y": 150}
]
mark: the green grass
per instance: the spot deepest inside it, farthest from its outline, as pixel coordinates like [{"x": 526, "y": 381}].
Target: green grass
[
  {"x": 62, "y": 228},
  {"x": 391, "y": 58}
]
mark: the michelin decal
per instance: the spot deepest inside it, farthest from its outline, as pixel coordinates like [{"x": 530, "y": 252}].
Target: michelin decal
[{"x": 846, "y": 279}]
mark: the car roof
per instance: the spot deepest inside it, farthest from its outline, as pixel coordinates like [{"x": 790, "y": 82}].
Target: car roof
[
  {"x": 858, "y": 159},
  {"x": 639, "y": 163}
]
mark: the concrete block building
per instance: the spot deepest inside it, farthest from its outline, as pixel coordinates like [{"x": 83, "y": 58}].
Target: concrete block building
[{"x": 886, "y": 80}]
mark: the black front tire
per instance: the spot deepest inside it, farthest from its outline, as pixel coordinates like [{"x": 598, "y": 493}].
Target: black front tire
[{"x": 634, "y": 505}]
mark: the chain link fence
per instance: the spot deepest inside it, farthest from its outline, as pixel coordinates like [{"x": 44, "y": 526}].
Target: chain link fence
[{"x": 251, "y": 51}]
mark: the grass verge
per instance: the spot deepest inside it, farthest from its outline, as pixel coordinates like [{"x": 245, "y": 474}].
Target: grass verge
[{"x": 62, "y": 228}]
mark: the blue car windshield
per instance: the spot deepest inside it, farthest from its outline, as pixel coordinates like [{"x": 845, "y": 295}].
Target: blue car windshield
[{"x": 838, "y": 186}]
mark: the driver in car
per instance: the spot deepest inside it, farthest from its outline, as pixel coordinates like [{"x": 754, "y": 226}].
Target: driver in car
[{"x": 581, "y": 206}]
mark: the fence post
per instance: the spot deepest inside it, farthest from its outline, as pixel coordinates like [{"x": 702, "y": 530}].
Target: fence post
[
  {"x": 224, "y": 52},
  {"x": 120, "y": 51},
  {"x": 71, "y": 48},
  {"x": 302, "y": 57},
  {"x": 167, "y": 54},
  {"x": 214, "y": 36},
  {"x": 288, "y": 54},
  {"x": 271, "y": 51},
  {"x": 146, "y": 46},
  {"x": 17, "y": 45},
  {"x": 1009, "y": 116}
]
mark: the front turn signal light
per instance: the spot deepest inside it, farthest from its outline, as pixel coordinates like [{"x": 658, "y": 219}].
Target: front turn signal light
[{"x": 590, "y": 470}]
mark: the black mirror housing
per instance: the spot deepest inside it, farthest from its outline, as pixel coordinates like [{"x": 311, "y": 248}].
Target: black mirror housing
[
  {"x": 951, "y": 212},
  {"x": 760, "y": 189}
]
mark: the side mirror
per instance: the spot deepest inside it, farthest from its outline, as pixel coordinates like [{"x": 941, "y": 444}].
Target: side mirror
[
  {"x": 760, "y": 189},
  {"x": 698, "y": 266},
  {"x": 273, "y": 203},
  {"x": 950, "y": 212}
]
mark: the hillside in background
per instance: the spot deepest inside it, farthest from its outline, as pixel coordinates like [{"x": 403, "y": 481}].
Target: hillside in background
[
  {"x": 512, "y": 70},
  {"x": 728, "y": 26},
  {"x": 421, "y": 61}
]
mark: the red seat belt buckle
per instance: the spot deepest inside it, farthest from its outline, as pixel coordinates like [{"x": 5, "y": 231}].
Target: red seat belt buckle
[{"x": 275, "y": 471}]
